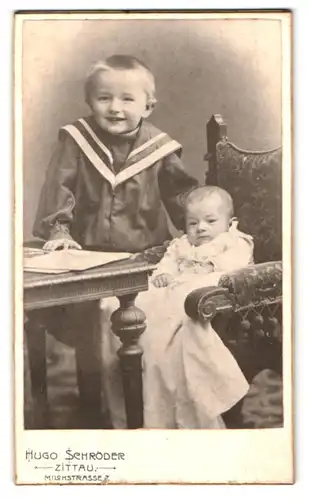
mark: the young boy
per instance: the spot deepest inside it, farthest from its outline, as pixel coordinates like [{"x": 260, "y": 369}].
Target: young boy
[
  {"x": 189, "y": 376},
  {"x": 113, "y": 172}
]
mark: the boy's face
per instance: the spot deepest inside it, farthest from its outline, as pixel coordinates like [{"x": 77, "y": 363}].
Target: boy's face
[
  {"x": 118, "y": 100},
  {"x": 205, "y": 220}
]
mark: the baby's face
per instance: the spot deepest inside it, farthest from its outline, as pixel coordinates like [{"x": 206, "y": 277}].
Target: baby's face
[
  {"x": 205, "y": 220},
  {"x": 118, "y": 100}
]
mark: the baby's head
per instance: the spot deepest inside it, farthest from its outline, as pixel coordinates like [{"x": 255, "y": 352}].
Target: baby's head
[
  {"x": 120, "y": 91},
  {"x": 209, "y": 212}
]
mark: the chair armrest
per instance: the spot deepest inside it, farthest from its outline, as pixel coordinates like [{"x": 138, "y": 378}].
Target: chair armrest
[
  {"x": 246, "y": 312},
  {"x": 254, "y": 287},
  {"x": 204, "y": 303}
]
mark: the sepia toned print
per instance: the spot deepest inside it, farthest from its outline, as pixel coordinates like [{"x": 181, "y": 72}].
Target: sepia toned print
[{"x": 152, "y": 251}]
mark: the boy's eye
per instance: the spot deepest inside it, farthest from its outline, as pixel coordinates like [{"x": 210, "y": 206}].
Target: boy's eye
[
  {"x": 192, "y": 223},
  {"x": 211, "y": 221},
  {"x": 103, "y": 98},
  {"x": 128, "y": 99}
]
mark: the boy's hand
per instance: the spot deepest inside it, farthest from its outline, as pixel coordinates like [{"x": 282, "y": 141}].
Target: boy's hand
[
  {"x": 64, "y": 243},
  {"x": 162, "y": 280}
]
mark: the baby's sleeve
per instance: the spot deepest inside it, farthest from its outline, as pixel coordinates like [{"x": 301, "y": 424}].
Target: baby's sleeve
[
  {"x": 57, "y": 201},
  {"x": 169, "y": 262},
  {"x": 237, "y": 255}
]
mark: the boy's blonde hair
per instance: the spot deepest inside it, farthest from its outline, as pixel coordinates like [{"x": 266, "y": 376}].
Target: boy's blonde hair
[
  {"x": 201, "y": 193},
  {"x": 123, "y": 62}
]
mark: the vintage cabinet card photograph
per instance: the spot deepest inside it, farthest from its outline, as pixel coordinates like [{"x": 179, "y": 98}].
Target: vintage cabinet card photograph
[{"x": 152, "y": 248}]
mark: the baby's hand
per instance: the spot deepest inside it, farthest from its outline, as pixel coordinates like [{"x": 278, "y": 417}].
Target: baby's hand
[
  {"x": 64, "y": 243},
  {"x": 209, "y": 267},
  {"x": 162, "y": 280}
]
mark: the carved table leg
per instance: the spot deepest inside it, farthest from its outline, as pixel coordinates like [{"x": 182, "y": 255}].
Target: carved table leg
[
  {"x": 128, "y": 323},
  {"x": 35, "y": 331},
  {"x": 88, "y": 363}
]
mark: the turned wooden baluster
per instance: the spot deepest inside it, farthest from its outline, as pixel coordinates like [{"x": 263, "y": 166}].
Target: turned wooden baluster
[{"x": 128, "y": 323}]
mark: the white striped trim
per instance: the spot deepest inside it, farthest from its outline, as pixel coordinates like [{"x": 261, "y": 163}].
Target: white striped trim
[
  {"x": 97, "y": 140},
  {"x": 147, "y": 144},
  {"x": 137, "y": 167},
  {"x": 128, "y": 172},
  {"x": 91, "y": 154}
]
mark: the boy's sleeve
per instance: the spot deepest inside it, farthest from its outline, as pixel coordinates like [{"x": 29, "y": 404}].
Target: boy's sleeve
[
  {"x": 57, "y": 201},
  {"x": 175, "y": 183}
]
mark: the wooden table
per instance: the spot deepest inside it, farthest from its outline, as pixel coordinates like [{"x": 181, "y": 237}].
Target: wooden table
[{"x": 47, "y": 297}]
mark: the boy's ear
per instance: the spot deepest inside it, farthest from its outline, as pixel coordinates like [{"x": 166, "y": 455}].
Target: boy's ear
[{"x": 149, "y": 109}]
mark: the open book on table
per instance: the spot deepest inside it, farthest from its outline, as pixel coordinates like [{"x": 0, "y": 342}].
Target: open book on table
[{"x": 61, "y": 261}]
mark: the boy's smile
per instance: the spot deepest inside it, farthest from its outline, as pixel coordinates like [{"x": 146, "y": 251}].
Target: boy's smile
[{"x": 118, "y": 100}]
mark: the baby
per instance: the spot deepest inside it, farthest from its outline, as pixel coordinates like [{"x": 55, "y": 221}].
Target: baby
[
  {"x": 212, "y": 242},
  {"x": 189, "y": 376}
]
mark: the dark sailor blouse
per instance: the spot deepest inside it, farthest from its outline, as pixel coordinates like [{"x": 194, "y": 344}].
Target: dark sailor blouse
[{"x": 110, "y": 192}]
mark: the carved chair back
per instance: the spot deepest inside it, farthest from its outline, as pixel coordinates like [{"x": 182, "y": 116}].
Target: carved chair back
[{"x": 253, "y": 179}]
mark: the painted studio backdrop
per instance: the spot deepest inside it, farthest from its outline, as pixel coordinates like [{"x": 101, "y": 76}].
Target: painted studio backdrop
[{"x": 231, "y": 67}]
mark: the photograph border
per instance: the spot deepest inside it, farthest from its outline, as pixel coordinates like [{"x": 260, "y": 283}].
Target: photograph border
[{"x": 20, "y": 441}]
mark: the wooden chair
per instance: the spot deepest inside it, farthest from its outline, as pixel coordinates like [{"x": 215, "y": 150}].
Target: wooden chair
[{"x": 246, "y": 306}]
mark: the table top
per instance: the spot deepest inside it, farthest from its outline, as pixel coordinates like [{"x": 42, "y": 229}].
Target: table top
[{"x": 114, "y": 269}]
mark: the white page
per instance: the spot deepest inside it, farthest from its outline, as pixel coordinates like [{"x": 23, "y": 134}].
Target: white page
[{"x": 71, "y": 260}]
